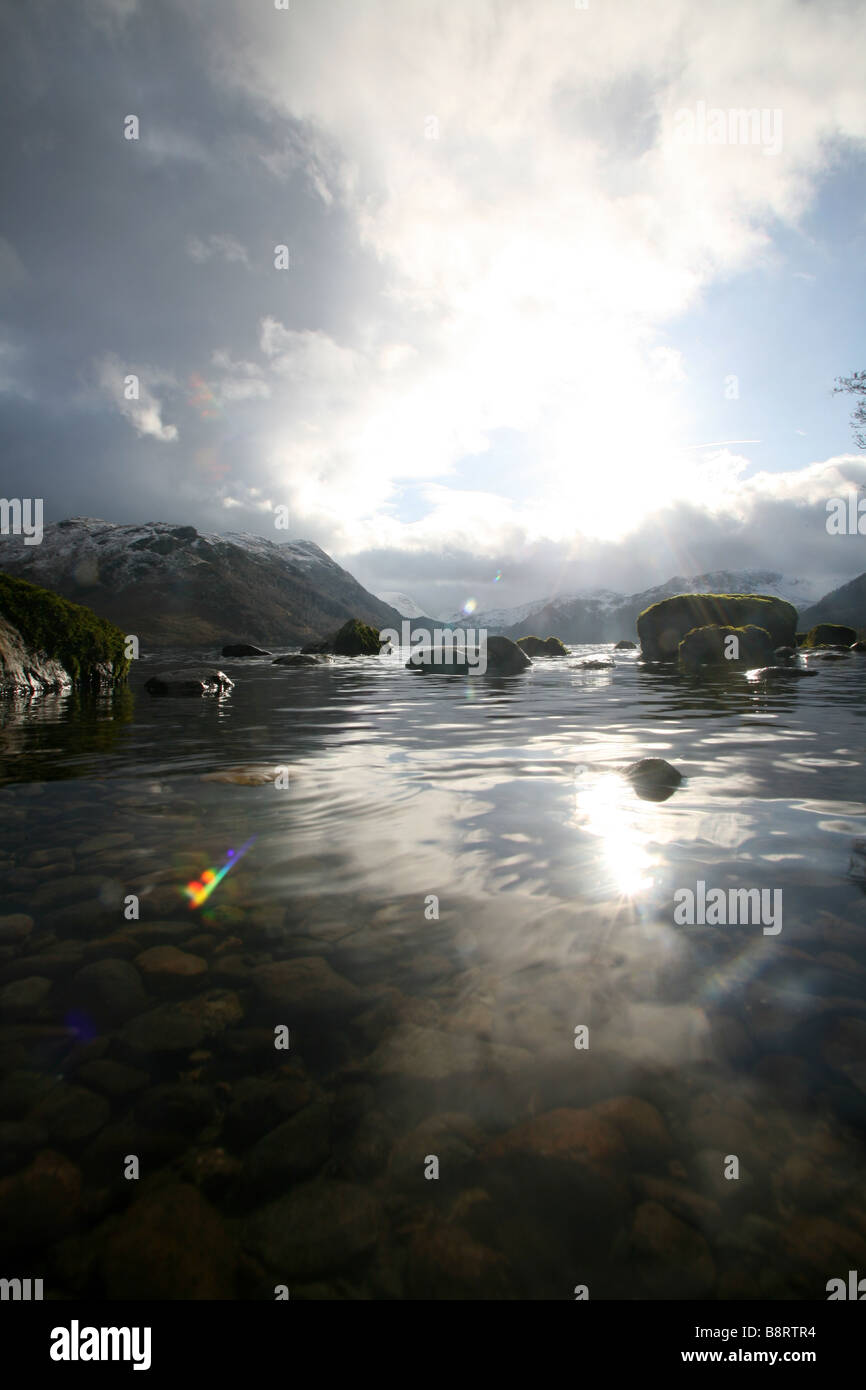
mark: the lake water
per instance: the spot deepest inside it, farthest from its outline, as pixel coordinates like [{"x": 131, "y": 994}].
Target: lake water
[{"x": 464, "y": 917}]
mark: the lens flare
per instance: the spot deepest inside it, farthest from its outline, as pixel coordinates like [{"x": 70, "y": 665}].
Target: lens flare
[{"x": 199, "y": 890}]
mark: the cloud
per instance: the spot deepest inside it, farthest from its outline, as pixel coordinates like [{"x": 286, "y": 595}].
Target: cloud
[
  {"x": 143, "y": 411},
  {"x": 494, "y": 241},
  {"x": 217, "y": 245}
]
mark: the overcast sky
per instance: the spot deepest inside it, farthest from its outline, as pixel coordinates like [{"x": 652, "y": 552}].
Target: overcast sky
[{"x": 533, "y": 322}]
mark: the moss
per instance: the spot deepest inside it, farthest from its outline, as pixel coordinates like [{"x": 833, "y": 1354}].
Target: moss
[
  {"x": 65, "y": 631},
  {"x": 830, "y": 635},
  {"x": 357, "y": 639},
  {"x": 542, "y": 646},
  {"x": 662, "y": 626},
  {"x": 707, "y": 646}
]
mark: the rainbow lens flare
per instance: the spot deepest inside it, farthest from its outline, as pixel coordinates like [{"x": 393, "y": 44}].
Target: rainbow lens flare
[{"x": 200, "y": 889}]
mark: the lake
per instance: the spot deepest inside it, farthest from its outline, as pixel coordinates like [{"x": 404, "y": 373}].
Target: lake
[{"x": 509, "y": 1072}]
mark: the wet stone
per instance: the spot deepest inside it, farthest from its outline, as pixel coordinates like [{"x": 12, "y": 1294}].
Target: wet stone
[
  {"x": 169, "y": 1244},
  {"x": 640, "y": 1125},
  {"x": 165, "y": 1029},
  {"x": 110, "y": 990},
  {"x": 258, "y": 1106},
  {"x": 169, "y": 970},
  {"x": 306, "y": 985},
  {"x": 110, "y": 1078},
  {"x": 671, "y": 1259},
  {"x": 15, "y": 928},
  {"x": 39, "y": 1205},
  {"x": 295, "y": 1149},
  {"x": 19, "y": 1140},
  {"x": 317, "y": 1229},
  {"x": 446, "y": 1263},
  {"x": 73, "y": 889},
  {"x": 24, "y": 998},
  {"x": 178, "y": 1108},
  {"x": 71, "y": 1114}
]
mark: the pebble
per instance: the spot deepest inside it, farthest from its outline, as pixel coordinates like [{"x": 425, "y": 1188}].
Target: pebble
[
  {"x": 24, "y": 998},
  {"x": 169, "y": 1244},
  {"x": 320, "y": 1227},
  {"x": 295, "y": 1149},
  {"x": 71, "y": 1114},
  {"x": 39, "y": 1205},
  {"x": 169, "y": 970},
  {"x": 305, "y": 985},
  {"x": 670, "y": 1258},
  {"x": 111, "y": 990}
]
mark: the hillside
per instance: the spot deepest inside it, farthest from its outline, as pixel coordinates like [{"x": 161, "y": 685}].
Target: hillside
[
  {"x": 846, "y": 604},
  {"x": 172, "y": 586}
]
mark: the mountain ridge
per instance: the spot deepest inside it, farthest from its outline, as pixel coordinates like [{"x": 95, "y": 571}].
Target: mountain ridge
[{"x": 175, "y": 586}]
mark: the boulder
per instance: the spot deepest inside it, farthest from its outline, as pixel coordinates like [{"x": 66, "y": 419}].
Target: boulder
[
  {"x": 596, "y": 663},
  {"x": 193, "y": 682},
  {"x": 772, "y": 672},
  {"x": 709, "y": 646},
  {"x": 625, "y": 646},
  {"x": 300, "y": 659},
  {"x": 499, "y": 656},
  {"x": 830, "y": 635},
  {"x": 353, "y": 639},
  {"x": 47, "y": 643},
  {"x": 542, "y": 646},
  {"x": 653, "y": 779},
  {"x": 244, "y": 649},
  {"x": 785, "y": 653},
  {"x": 662, "y": 626}
]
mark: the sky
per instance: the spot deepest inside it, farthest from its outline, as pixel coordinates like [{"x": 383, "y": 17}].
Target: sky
[{"x": 547, "y": 316}]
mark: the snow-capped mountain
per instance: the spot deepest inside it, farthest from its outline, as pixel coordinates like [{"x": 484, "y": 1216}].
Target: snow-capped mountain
[
  {"x": 602, "y": 615},
  {"x": 404, "y": 605},
  {"x": 173, "y": 586}
]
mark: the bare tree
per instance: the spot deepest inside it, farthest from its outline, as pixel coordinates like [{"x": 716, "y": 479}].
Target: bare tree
[{"x": 855, "y": 385}]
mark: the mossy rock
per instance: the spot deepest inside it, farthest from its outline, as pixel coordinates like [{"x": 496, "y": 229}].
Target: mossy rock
[
  {"x": 709, "y": 646},
  {"x": 90, "y": 649},
  {"x": 353, "y": 639},
  {"x": 542, "y": 646},
  {"x": 357, "y": 639},
  {"x": 662, "y": 626},
  {"x": 830, "y": 635}
]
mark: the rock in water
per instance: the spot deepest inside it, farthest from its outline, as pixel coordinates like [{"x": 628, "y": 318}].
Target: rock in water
[
  {"x": 301, "y": 659},
  {"x": 653, "y": 779},
  {"x": 353, "y": 639},
  {"x": 830, "y": 635},
  {"x": 662, "y": 626},
  {"x": 771, "y": 672},
  {"x": 190, "y": 682},
  {"x": 625, "y": 646},
  {"x": 498, "y": 657},
  {"x": 710, "y": 646},
  {"x": 244, "y": 649},
  {"x": 542, "y": 646},
  {"x": 48, "y": 643},
  {"x": 250, "y": 775}
]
